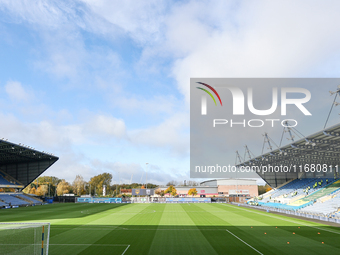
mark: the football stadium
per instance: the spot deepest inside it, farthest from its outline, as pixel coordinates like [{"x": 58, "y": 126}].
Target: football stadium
[
  {"x": 91, "y": 90},
  {"x": 300, "y": 215}
]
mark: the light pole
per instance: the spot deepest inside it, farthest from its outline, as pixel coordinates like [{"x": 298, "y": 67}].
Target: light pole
[{"x": 146, "y": 175}]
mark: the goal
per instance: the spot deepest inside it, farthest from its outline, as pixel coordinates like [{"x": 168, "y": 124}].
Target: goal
[{"x": 24, "y": 238}]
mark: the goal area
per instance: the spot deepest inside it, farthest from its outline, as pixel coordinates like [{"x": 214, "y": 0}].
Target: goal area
[{"x": 24, "y": 238}]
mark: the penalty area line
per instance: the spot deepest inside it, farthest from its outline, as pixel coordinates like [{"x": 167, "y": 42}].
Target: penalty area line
[
  {"x": 126, "y": 249},
  {"x": 244, "y": 242}
]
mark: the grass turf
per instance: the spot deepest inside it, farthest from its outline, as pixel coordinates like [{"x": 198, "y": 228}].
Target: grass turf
[{"x": 175, "y": 229}]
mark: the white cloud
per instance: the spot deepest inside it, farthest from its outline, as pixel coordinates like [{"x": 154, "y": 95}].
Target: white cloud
[
  {"x": 51, "y": 136},
  {"x": 142, "y": 20},
  {"x": 262, "y": 41},
  {"x": 170, "y": 134},
  {"x": 51, "y": 14},
  {"x": 17, "y": 92},
  {"x": 193, "y": 38},
  {"x": 107, "y": 126}
]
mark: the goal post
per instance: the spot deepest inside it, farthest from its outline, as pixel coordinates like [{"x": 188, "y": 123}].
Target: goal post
[{"x": 24, "y": 238}]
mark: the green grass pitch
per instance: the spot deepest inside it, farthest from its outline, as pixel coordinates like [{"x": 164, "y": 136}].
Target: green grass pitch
[{"x": 175, "y": 229}]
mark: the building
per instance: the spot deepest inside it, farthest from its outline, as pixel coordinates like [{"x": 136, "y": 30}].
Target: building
[
  {"x": 232, "y": 187},
  {"x": 222, "y": 188}
]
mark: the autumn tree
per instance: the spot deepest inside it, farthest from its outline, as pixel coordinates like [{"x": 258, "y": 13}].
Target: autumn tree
[
  {"x": 268, "y": 188},
  {"x": 50, "y": 183},
  {"x": 171, "y": 190},
  {"x": 159, "y": 192},
  {"x": 78, "y": 185},
  {"x": 263, "y": 189},
  {"x": 98, "y": 181},
  {"x": 26, "y": 190},
  {"x": 41, "y": 190},
  {"x": 192, "y": 192},
  {"x": 63, "y": 188},
  {"x": 32, "y": 191}
]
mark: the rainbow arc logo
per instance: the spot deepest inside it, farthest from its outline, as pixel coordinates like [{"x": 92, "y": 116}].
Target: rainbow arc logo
[{"x": 204, "y": 100}]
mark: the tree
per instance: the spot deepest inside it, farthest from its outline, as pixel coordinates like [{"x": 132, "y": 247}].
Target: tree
[
  {"x": 268, "y": 188},
  {"x": 159, "y": 192},
  {"x": 41, "y": 190},
  {"x": 63, "y": 188},
  {"x": 78, "y": 185},
  {"x": 171, "y": 183},
  {"x": 32, "y": 190},
  {"x": 51, "y": 183},
  {"x": 192, "y": 192},
  {"x": 171, "y": 190},
  {"x": 192, "y": 183},
  {"x": 263, "y": 189},
  {"x": 174, "y": 192},
  {"x": 98, "y": 181}
]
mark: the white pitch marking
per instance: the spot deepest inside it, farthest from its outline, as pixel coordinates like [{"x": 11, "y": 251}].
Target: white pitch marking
[
  {"x": 72, "y": 244},
  {"x": 243, "y": 241},
  {"x": 126, "y": 249},
  {"x": 78, "y": 244}
]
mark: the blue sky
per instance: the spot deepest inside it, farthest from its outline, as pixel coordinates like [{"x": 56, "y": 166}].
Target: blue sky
[{"x": 104, "y": 84}]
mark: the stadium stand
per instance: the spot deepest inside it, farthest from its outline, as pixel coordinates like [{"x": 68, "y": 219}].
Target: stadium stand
[
  {"x": 284, "y": 206},
  {"x": 20, "y": 165},
  {"x": 297, "y": 188},
  {"x": 309, "y": 186},
  {"x": 319, "y": 193},
  {"x": 29, "y": 198},
  {"x": 8, "y": 181},
  {"x": 12, "y": 200},
  {"x": 2, "y": 204},
  {"x": 3, "y": 181},
  {"x": 324, "y": 208}
]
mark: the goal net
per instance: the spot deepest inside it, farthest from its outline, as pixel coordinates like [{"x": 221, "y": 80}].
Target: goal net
[{"x": 24, "y": 238}]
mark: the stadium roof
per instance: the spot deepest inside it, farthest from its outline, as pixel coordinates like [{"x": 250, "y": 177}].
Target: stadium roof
[
  {"x": 23, "y": 163},
  {"x": 319, "y": 148}
]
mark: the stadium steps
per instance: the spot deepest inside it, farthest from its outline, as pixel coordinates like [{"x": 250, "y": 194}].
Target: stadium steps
[
  {"x": 327, "y": 190},
  {"x": 324, "y": 208},
  {"x": 8, "y": 180},
  {"x": 9, "y": 199},
  {"x": 291, "y": 202},
  {"x": 30, "y": 199},
  {"x": 3, "y": 204},
  {"x": 26, "y": 200},
  {"x": 269, "y": 193},
  {"x": 299, "y": 202}
]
